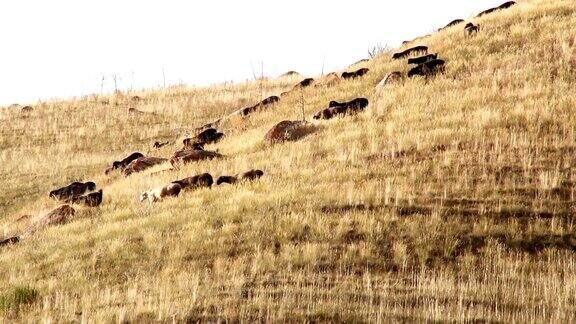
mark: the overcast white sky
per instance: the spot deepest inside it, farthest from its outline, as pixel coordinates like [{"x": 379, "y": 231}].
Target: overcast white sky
[{"x": 61, "y": 48}]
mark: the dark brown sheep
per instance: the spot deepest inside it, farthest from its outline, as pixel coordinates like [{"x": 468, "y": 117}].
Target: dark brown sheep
[
  {"x": 27, "y": 109},
  {"x": 426, "y": 69},
  {"x": 251, "y": 175},
  {"x": 266, "y": 102},
  {"x": 304, "y": 83},
  {"x": 410, "y": 51},
  {"x": 452, "y": 23},
  {"x": 471, "y": 29},
  {"x": 422, "y": 59},
  {"x": 505, "y": 5},
  {"x": 356, "y": 74},
  {"x": 120, "y": 165},
  {"x": 354, "y": 105},
  {"x": 226, "y": 179},
  {"x": 141, "y": 164},
  {"x": 208, "y": 125},
  {"x": 203, "y": 180},
  {"x": 290, "y": 73},
  {"x": 207, "y": 136},
  {"x": 341, "y": 108},
  {"x": 190, "y": 155},
  {"x": 134, "y": 112},
  {"x": 93, "y": 199},
  {"x": 158, "y": 144},
  {"x": 72, "y": 190},
  {"x": 10, "y": 241},
  {"x": 189, "y": 143}
]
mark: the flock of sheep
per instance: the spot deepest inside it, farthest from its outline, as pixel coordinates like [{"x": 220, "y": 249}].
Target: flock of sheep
[{"x": 193, "y": 147}]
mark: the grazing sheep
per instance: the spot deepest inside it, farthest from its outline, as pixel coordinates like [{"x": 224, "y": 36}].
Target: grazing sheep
[
  {"x": 190, "y": 144},
  {"x": 158, "y": 145},
  {"x": 158, "y": 194},
  {"x": 337, "y": 108},
  {"x": 26, "y": 109},
  {"x": 190, "y": 155},
  {"x": 198, "y": 181},
  {"x": 72, "y": 190},
  {"x": 410, "y": 51},
  {"x": 471, "y": 28},
  {"x": 327, "y": 113},
  {"x": 505, "y": 5},
  {"x": 124, "y": 162},
  {"x": 452, "y": 23},
  {"x": 422, "y": 59},
  {"x": 141, "y": 164},
  {"x": 134, "y": 111},
  {"x": 268, "y": 101},
  {"x": 93, "y": 199},
  {"x": 251, "y": 175},
  {"x": 290, "y": 73},
  {"x": 354, "y": 105},
  {"x": 355, "y": 74},
  {"x": 208, "y": 125},
  {"x": 226, "y": 179},
  {"x": 426, "y": 69},
  {"x": 304, "y": 83},
  {"x": 208, "y": 136},
  {"x": 10, "y": 240}
]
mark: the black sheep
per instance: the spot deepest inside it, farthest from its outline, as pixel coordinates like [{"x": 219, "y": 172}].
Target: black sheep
[
  {"x": 198, "y": 181},
  {"x": 422, "y": 59},
  {"x": 304, "y": 83},
  {"x": 410, "y": 51},
  {"x": 340, "y": 108},
  {"x": 452, "y": 23},
  {"x": 505, "y": 5},
  {"x": 268, "y": 101},
  {"x": 471, "y": 28},
  {"x": 427, "y": 68},
  {"x": 72, "y": 190},
  {"x": 251, "y": 175},
  {"x": 226, "y": 179},
  {"x": 93, "y": 199},
  {"x": 124, "y": 162},
  {"x": 355, "y": 74},
  {"x": 10, "y": 240}
]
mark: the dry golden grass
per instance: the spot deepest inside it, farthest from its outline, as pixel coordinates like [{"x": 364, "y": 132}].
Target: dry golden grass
[{"x": 449, "y": 199}]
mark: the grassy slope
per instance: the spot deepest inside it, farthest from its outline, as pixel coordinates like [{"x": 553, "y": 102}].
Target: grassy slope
[{"x": 343, "y": 225}]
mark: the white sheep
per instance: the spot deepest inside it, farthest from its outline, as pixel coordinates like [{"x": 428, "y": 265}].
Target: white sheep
[{"x": 158, "y": 194}]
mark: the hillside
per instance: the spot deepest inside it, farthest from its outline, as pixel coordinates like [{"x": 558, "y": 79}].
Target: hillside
[{"x": 451, "y": 197}]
